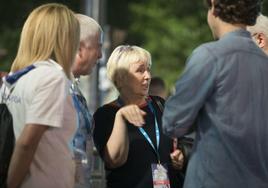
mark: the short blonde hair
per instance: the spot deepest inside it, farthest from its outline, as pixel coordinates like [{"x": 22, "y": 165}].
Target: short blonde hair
[
  {"x": 50, "y": 31},
  {"x": 89, "y": 28},
  {"x": 121, "y": 59},
  {"x": 261, "y": 26}
]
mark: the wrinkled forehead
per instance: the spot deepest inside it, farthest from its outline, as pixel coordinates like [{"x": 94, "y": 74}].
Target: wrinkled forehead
[{"x": 95, "y": 40}]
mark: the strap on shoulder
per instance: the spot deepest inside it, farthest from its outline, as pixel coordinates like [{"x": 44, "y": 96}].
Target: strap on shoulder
[{"x": 158, "y": 103}]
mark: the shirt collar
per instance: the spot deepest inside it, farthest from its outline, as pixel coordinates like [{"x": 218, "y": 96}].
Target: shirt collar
[{"x": 238, "y": 32}]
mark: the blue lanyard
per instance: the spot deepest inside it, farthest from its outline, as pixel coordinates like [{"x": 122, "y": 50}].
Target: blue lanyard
[
  {"x": 146, "y": 136},
  {"x": 81, "y": 107}
]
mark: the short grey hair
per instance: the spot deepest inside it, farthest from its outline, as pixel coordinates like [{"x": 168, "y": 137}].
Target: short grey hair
[
  {"x": 88, "y": 28},
  {"x": 261, "y": 26}
]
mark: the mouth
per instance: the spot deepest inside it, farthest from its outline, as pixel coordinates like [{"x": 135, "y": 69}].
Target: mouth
[{"x": 145, "y": 86}]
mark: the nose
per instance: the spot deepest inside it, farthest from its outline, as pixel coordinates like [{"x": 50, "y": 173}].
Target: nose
[{"x": 147, "y": 75}]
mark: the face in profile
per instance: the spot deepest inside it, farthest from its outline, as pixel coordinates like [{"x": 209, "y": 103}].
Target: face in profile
[{"x": 90, "y": 55}]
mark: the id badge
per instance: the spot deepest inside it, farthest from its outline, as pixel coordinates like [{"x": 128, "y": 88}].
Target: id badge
[{"x": 160, "y": 176}]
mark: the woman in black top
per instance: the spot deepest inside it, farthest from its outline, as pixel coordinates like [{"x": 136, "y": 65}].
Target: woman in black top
[{"x": 128, "y": 132}]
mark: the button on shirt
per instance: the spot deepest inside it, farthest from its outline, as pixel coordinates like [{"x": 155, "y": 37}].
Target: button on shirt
[{"x": 224, "y": 87}]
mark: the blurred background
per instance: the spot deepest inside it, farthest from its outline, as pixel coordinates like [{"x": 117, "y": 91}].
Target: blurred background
[{"x": 168, "y": 29}]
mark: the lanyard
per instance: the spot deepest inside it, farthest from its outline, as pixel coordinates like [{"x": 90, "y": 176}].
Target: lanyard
[
  {"x": 85, "y": 125},
  {"x": 143, "y": 132}
]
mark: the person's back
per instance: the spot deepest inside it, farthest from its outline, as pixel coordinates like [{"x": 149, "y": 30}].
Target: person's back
[
  {"x": 223, "y": 89},
  {"x": 232, "y": 138},
  {"x": 27, "y": 98},
  {"x": 40, "y": 102}
]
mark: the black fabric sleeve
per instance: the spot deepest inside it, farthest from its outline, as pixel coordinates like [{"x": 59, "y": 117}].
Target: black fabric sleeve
[{"x": 104, "y": 120}]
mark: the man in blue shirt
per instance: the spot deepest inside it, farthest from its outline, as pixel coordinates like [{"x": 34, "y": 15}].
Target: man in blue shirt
[
  {"x": 88, "y": 54},
  {"x": 224, "y": 90}
]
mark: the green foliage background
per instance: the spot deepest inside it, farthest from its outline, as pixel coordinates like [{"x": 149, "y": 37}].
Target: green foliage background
[
  {"x": 13, "y": 13},
  {"x": 169, "y": 29}
]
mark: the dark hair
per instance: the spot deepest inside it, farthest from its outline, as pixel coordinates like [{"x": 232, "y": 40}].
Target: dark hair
[
  {"x": 237, "y": 11},
  {"x": 157, "y": 81}
]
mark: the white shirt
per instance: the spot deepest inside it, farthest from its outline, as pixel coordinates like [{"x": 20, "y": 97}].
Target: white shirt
[{"x": 42, "y": 97}]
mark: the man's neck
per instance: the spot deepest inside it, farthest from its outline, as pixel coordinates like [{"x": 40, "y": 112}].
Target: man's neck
[{"x": 225, "y": 28}]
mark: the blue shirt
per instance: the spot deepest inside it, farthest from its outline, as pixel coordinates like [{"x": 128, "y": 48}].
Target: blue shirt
[
  {"x": 82, "y": 141},
  {"x": 224, "y": 88}
]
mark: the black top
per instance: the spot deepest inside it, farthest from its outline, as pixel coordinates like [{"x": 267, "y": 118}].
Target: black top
[{"x": 136, "y": 172}]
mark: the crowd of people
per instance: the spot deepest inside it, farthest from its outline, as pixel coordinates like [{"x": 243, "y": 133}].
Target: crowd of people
[{"x": 220, "y": 101}]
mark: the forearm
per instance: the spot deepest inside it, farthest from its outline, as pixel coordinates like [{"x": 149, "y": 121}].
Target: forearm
[
  {"x": 23, "y": 153},
  {"x": 118, "y": 144},
  {"x": 20, "y": 163}
]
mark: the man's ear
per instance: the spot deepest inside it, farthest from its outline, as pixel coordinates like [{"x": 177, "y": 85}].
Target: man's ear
[
  {"x": 260, "y": 39},
  {"x": 213, "y": 8}
]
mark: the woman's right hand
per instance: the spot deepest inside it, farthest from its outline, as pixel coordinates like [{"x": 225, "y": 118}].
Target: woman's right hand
[{"x": 133, "y": 114}]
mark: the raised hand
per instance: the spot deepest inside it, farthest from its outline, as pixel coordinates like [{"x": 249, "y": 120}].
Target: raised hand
[{"x": 133, "y": 114}]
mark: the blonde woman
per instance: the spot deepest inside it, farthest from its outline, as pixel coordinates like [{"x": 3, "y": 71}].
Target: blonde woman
[
  {"x": 128, "y": 133},
  {"x": 40, "y": 103}
]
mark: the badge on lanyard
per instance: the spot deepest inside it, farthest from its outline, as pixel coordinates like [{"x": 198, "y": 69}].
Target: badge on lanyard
[{"x": 160, "y": 176}]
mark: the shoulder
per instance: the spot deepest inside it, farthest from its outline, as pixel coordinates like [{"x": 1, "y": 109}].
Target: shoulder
[
  {"x": 48, "y": 73},
  {"x": 203, "y": 59},
  {"x": 205, "y": 51},
  {"x": 106, "y": 110},
  {"x": 50, "y": 69}
]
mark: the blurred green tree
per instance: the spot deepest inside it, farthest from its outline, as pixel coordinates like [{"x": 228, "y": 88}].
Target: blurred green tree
[
  {"x": 170, "y": 30},
  {"x": 13, "y": 13}
]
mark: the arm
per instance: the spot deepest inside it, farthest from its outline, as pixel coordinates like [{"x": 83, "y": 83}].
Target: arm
[
  {"x": 192, "y": 89},
  {"x": 23, "y": 153},
  {"x": 116, "y": 150},
  {"x": 45, "y": 110}
]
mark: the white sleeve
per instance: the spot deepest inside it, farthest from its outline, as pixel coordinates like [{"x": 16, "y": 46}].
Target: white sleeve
[{"x": 47, "y": 104}]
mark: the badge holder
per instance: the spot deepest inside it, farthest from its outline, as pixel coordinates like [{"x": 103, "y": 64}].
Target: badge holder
[{"x": 160, "y": 176}]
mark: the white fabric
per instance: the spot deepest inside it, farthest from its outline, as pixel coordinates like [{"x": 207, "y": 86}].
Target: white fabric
[{"x": 42, "y": 97}]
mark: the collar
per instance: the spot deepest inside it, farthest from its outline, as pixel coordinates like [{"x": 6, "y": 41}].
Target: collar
[{"x": 238, "y": 32}]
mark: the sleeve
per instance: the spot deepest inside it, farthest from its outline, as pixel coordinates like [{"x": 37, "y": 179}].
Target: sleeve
[
  {"x": 47, "y": 105},
  {"x": 192, "y": 89},
  {"x": 104, "y": 119}
]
